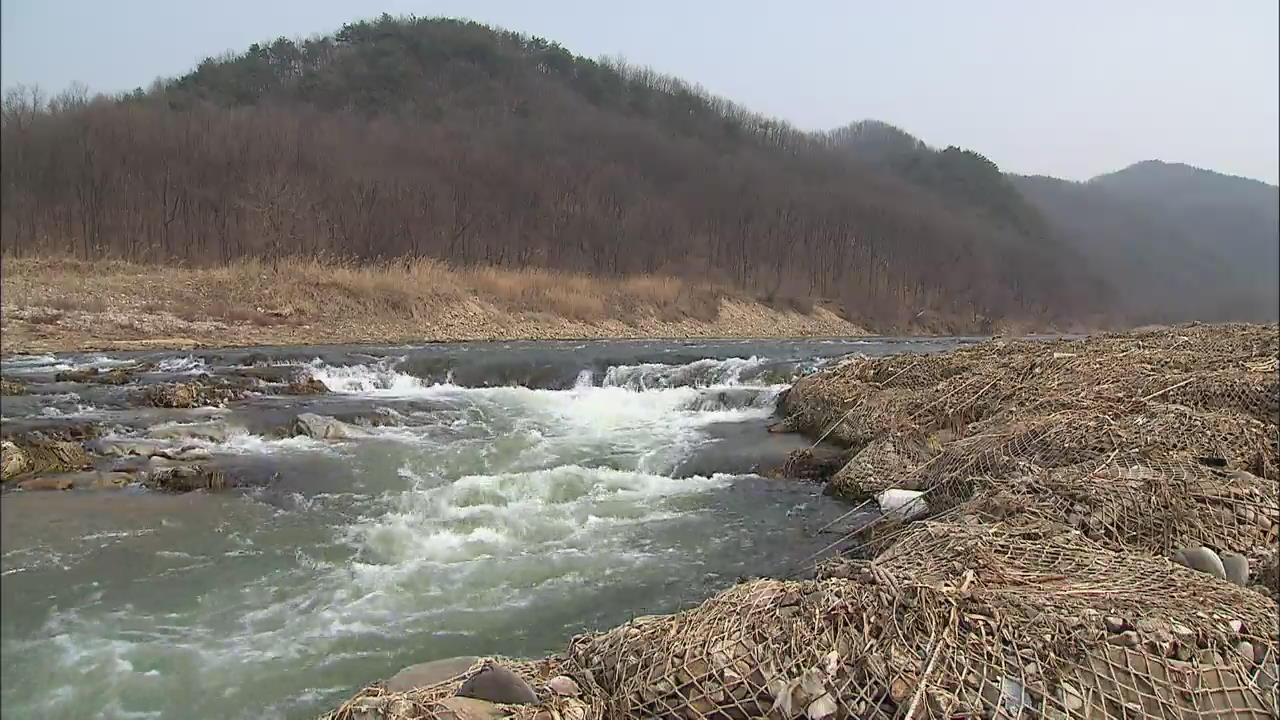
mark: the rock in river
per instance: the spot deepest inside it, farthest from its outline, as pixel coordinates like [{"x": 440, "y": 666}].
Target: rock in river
[
  {"x": 306, "y": 386},
  {"x": 189, "y": 395},
  {"x": 20, "y": 458}
]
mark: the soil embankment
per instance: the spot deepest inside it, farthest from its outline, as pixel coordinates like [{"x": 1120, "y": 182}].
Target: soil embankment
[
  {"x": 56, "y": 305},
  {"x": 1098, "y": 540}
]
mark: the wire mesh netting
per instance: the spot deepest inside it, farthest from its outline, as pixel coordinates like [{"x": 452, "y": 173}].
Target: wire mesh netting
[{"x": 957, "y": 619}]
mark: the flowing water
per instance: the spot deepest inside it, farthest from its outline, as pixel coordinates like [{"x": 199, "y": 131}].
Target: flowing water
[{"x": 502, "y": 498}]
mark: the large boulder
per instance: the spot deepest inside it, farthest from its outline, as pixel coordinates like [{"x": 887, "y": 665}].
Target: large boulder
[
  {"x": 323, "y": 427},
  {"x": 19, "y": 458},
  {"x": 430, "y": 673}
]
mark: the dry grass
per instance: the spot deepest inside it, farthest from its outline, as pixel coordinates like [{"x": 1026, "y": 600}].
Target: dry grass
[
  {"x": 263, "y": 293},
  {"x": 305, "y": 300}
]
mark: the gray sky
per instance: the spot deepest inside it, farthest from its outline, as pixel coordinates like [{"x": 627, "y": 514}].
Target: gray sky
[{"x": 1071, "y": 89}]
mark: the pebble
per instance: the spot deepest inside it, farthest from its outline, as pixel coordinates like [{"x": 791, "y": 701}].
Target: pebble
[
  {"x": 498, "y": 684},
  {"x": 1236, "y": 567},
  {"x": 430, "y": 673},
  {"x": 1205, "y": 560},
  {"x": 563, "y": 685},
  {"x": 1128, "y": 638},
  {"x": 465, "y": 708}
]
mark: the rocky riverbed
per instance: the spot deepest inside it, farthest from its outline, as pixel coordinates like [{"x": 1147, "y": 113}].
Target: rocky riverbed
[{"x": 258, "y": 532}]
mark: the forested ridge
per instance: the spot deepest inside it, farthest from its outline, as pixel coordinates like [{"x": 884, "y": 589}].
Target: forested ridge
[{"x": 404, "y": 137}]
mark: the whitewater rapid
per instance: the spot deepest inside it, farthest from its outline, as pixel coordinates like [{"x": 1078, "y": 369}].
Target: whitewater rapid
[{"x": 487, "y": 506}]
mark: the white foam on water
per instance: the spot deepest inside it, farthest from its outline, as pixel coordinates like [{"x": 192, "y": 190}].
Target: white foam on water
[
  {"x": 100, "y": 362},
  {"x": 565, "y": 489},
  {"x": 378, "y": 378},
  {"x": 699, "y": 373},
  {"x": 27, "y": 361},
  {"x": 486, "y": 516},
  {"x": 187, "y": 365}
]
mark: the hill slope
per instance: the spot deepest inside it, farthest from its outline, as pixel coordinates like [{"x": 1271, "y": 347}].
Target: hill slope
[
  {"x": 451, "y": 140},
  {"x": 1175, "y": 242},
  {"x": 445, "y": 139},
  {"x": 1170, "y": 241}
]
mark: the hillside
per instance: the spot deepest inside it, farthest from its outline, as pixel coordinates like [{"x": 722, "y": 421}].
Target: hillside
[
  {"x": 451, "y": 140},
  {"x": 1176, "y": 242},
  {"x": 1171, "y": 242}
]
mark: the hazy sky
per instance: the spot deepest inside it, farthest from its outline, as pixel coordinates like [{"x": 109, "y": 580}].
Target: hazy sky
[{"x": 1062, "y": 88}]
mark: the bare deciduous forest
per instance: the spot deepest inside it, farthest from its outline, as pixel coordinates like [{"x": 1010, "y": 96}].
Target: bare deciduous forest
[{"x": 404, "y": 138}]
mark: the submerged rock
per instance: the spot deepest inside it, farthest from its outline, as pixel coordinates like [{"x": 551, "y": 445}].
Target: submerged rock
[
  {"x": 430, "y": 673},
  {"x": 817, "y": 464},
  {"x": 786, "y": 425},
  {"x": 212, "y": 431},
  {"x": 45, "y": 483},
  {"x": 86, "y": 480},
  {"x": 149, "y": 448},
  {"x": 498, "y": 684},
  {"x": 323, "y": 427}
]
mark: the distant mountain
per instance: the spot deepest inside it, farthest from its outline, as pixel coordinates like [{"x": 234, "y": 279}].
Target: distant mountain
[
  {"x": 1170, "y": 242},
  {"x": 1174, "y": 242}
]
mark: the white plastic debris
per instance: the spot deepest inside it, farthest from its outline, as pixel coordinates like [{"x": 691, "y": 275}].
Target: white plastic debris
[{"x": 902, "y": 504}]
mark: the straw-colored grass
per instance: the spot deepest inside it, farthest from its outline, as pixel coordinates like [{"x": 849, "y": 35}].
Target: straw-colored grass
[
  {"x": 311, "y": 288},
  {"x": 52, "y": 303}
]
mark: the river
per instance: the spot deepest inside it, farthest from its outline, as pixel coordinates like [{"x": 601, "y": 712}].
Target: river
[{"x": 502, "y": 498}]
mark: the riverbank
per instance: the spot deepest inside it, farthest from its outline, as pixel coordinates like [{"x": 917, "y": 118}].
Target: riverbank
[
  {"x": 1092, "y": 533},
  {"x": 66, "y": 305}
]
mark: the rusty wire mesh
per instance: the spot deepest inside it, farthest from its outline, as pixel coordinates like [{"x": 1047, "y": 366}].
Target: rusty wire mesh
[{"x": 1027, "y": 619}]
